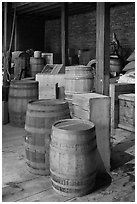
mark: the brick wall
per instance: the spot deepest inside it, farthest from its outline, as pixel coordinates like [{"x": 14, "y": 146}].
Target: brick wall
[{"x": 82, "y": 30}]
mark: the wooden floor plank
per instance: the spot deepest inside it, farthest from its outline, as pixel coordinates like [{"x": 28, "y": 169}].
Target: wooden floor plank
[
  {"x": 121, "y": 190},
  {"x": 14, "y": 168},
  {"x": 20, "y": 185},
  {"x": 17, "y": 191},
  {"x": 46, "y": 196}
]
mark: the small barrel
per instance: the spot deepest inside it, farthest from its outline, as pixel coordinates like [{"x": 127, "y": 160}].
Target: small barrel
[
  {"x": 36, "y": 65},
  {"x": 73, "y": 157},
  {"x": 115, "y": 64},
  {"x": 20, "y": 93},
  {"x": 48, "y": 57},
  {"x": 37, "y": 54},
  {"x": 41, "y": 114}
]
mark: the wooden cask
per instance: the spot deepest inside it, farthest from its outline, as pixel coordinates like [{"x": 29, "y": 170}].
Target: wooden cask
[
  {"x": 78, "y": 79},
  {"x": 20, "y": 93},
  {"x": 127, "y": 111},
  {"x": 41, "y": 114},
  {"x": 37, "y": 54},
  {"x": 115, "y": 65},
  {"x": 36, "y": 65},
  {"x": 73, "y": 157}
]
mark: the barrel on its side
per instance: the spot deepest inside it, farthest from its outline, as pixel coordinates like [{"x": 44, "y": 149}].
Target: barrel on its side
[
  {"x": 73, "y": 157},
  {"x": 20, "y": 93},
  {"x": 36, "y": 65},
  {"x": 41, "y": 114}
]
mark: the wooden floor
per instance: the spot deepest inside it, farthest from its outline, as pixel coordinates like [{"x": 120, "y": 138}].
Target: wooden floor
[{"x": 20, "y": 185}]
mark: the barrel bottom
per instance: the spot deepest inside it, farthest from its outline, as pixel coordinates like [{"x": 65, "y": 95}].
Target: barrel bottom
[
  {"x": 17, "y": 119},
  {"x": 73, "y": 192},
  {"x": 42, "y": 172},
  {"x": 73, "y": 187}
]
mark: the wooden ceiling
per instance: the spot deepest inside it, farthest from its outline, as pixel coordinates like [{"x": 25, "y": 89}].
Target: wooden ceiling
[{"x": 51, "y": 9}]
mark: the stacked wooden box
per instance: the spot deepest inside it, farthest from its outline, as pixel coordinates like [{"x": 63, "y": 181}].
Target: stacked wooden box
[
  {"x": 115, "y": 90},
  {"x": 127, "y": 111},
  {"x": 96, "y": 108}
]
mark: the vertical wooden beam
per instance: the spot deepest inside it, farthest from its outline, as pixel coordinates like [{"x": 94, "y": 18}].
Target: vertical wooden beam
[
  {"x": 16, "y": 35},
  {"x": 102, "y": 48},
  {"x": 5, "y": 26},
  {"x": 5, "y": 41},
  {"x": 64, "y": 33}
]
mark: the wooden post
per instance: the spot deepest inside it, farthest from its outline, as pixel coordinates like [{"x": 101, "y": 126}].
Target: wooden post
[
  {"x": 102, "y": 48},
  {"x": 64, "y": 33},
  {"x": 5, "y": 41},
  {"x": 5, "y": 25},
  {"x": 16, "y": 36}
]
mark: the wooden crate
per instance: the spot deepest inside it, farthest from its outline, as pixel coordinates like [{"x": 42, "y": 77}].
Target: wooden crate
[
  {"x": 96, "y": 108},
  {"x": 48, "y": 91},
  {"x": 127, "y": 111},
  {"x": 115, "y": 90},
  {"x": 5, "y": 113},
  {"x": 52, "y": 80}
]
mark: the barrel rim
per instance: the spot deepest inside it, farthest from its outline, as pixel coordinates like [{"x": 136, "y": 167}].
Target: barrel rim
[
  {"x": 91, "y": 124},
  {"x": 49, "y": 102},
  {"x": 23, "y": 82}
]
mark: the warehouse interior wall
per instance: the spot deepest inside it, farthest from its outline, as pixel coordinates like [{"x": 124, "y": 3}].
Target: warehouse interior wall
[
  {"x": 30, "y": 33},
  {"x": 82, "y": 31}
]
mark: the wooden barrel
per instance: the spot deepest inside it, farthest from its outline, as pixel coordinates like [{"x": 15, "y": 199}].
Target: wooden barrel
[
  {"x": 73, "y": 157},
  {"x": 41, "y": 114},
  {"x": 37, "y": 54},
  {"x": 20, "y": 93},
  {"x": 36, "y": 65},
  {"x": 115, "y": 64},
  {"x": 78, "y": 79},
  {"x": 48, "y": 57}
]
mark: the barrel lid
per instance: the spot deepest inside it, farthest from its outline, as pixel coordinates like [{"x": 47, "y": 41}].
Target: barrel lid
[
  {"x": 48, "y": 105},
  {"x": 23, "y": 82},
  {"x": 74, "y": 125},
  {"x": 46, "y": 102}
]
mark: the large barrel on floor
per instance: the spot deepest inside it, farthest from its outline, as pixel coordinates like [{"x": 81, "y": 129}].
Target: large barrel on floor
[
  {"x": 36, "y": 65},
  {"x": 20, "y": 93},
  {"x": 41, "y": 114},
  {"x": 73, "y": 157},
  {"x": 78, "y": 79}
]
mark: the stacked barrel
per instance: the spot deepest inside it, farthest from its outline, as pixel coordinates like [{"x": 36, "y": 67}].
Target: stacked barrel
[
  {"x": 78, "y": 79},
  {"x": 36, "y": 63}
]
